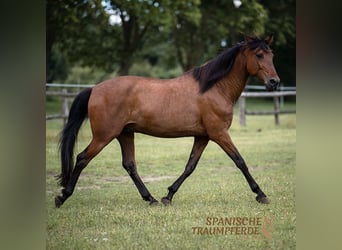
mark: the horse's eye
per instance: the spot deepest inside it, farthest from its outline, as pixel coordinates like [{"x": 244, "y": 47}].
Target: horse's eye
[{"x": 260, "y": 56}]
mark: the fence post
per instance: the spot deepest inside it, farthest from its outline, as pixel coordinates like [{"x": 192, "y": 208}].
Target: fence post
[
  {"x": 65, "y": 107},
  {"x": 281, "y": 97},
  {"x": 276, "y": 109},
  {"x": 242, "y": 109}
]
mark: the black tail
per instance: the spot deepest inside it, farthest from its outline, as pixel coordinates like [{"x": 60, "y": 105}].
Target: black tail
[{"x": 78, "y": 113}]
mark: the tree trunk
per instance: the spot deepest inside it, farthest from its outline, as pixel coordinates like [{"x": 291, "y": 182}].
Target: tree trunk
[{"x": 124, "y": 68}]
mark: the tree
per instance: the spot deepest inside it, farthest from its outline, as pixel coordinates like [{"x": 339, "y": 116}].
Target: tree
[
  {"x": 70, "y": 25},
  {"x": 192, "y": 31},
  {"x": 281, "y": 22},
  {"x": 220, "y": 22},
  {"x": 82, "y": 32},
  {"x": 141, "y": 19}
]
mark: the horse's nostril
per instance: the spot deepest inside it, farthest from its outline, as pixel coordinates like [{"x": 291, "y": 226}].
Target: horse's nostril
[{"x": 272, "y": 81}]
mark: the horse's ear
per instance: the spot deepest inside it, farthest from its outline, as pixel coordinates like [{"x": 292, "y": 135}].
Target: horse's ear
[
  {"x": 249, "y": 39},
  {"x": 269, "y": 39}
]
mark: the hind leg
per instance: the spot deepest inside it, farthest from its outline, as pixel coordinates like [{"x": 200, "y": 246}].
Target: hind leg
[
  {"x": 126, "y": 141},
  {"x": 82, "y": 161},
  {"x": 199, "y": 145}
]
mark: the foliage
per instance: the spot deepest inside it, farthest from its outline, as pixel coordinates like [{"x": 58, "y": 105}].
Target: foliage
[
  {"x": 141, "y": 19},
  {"x": 282, "y": 15},
  {"x": 220, "y": 21},
  {"x": 74, "y": 27},
  {"x": 146, "y": 69},
  {"x": 57, "y": 66},
  {"x": 86, "y": 75},
  {"x": 281, "y": 22},
  {"x": 166, "y": 33}
]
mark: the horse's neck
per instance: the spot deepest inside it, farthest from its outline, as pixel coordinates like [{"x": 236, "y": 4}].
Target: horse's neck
[{"x": 234, "y": 82}]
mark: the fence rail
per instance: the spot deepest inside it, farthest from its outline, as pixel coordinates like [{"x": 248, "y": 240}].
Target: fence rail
[
  {"x": 277, "y": 99},
  {"x": 276, "y": 95}
]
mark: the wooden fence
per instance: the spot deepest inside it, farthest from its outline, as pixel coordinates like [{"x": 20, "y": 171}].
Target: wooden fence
[
  {"x": 65, "y": 95},
  {"x": 277, "y": 99}
]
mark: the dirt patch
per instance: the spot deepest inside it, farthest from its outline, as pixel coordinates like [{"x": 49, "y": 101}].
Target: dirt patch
[
  {"x": 88, "y": 181},
  {"x": 124, "y": 178},
  {"x": 235, "y": 169},
  {"x": 256, "y": 168},
  {"x": 88, "y": 187},
  {"x": 158, "y": 178},
  {"x": 145, "y": 179},
  {"x": 98, "y": 182}
]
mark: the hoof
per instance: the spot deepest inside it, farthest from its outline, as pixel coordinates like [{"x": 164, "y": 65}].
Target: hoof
[
  {"x": 58, "y": 201},
  {"x": 166, "y": 201},
  {"x": 154, "y": 203},
  {"x": 262, "y": 199}
]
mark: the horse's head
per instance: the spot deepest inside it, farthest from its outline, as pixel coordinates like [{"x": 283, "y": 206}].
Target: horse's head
[{"x": 259, "y": 58}]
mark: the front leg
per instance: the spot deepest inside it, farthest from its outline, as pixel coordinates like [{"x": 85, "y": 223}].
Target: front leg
[{"x": 224, "y": 141}]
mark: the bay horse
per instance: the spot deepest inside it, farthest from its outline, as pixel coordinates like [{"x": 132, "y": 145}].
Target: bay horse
[{"x": 198, "y": 103}]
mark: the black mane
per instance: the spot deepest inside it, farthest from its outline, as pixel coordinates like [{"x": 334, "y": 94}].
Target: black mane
[{"x": 212, "y": 72}]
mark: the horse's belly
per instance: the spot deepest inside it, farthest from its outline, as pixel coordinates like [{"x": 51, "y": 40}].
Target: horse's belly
[
  {"x": 168, "y": 128},
  {"x": 170, "y": 133}
]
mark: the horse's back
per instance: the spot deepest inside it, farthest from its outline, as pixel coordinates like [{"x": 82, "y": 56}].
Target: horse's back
[
  {"x": 160, "y": 107},
  {"x": 147, "y": 90}
]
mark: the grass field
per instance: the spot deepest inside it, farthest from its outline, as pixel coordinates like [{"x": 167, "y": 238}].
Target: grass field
[{"x": 107, "y": 212}]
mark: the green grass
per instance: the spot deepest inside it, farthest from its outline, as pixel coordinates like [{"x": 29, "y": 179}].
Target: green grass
[{"x": 107, "y": 212}]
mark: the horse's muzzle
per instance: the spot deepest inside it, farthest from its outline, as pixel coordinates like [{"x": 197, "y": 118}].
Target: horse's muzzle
[{"x": 272, "y": 84}]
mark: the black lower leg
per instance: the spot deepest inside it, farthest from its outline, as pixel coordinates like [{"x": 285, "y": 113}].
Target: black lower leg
[
  {"x": 167, "y": 199},
  {"x": 175, "y": 186},
  {"x": 60, "y": 199},
  {"x": 190, "y": 167},
  {"x": 68, "y": 190},
  {"x": 145, "y": 194},
  {"x": 240, "y": 163}
]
